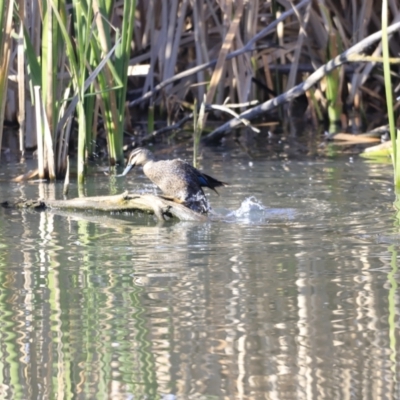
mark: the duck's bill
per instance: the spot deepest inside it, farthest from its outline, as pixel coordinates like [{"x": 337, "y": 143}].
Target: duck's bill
[{"x": 126, "y": 170}]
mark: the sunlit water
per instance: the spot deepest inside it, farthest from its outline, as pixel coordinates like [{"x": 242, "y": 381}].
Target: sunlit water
[{"x": 289, "y": 292}]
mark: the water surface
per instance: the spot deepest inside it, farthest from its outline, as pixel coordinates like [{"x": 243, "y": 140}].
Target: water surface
[{"x": 293, "y": 294}]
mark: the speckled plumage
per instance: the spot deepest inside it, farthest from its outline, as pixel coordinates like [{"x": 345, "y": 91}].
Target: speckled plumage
[{"x": 176, "y": 178}]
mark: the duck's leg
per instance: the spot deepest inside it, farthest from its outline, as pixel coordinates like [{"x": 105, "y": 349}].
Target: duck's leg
[{"x": 174, "y": 199}]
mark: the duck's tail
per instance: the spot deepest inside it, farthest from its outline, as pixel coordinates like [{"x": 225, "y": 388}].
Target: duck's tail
[{"x": 210, "y": 182}]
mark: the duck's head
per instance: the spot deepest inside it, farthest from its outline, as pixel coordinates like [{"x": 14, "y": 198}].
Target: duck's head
[{"x": 139, "y": 156}]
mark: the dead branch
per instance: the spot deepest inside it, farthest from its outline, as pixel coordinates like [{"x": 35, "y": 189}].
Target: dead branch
[
  {"x": 209, "y": 107},
  {"x": 124, "y": 202},
  {"x": 298, "y": 90},
  {"x": 178, "y": 125}
]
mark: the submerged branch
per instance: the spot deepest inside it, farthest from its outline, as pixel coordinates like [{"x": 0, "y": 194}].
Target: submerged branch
[{"x": 298, "y": 90}]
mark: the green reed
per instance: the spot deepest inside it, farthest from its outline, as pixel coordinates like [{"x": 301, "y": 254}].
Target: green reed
[
  {"x": 333, "y": 87},
  {"x": 332, "y": 78},
  {"x": 112, "y": 81},
  {"x": 89, "y": 73},
  {"x": 198, "y": 127},
  {"x": 389, "y": 96},
  {"x": 121, "y": 62}
]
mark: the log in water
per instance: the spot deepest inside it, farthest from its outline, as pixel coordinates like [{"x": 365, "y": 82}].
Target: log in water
[{"x": 124, "y": 202}]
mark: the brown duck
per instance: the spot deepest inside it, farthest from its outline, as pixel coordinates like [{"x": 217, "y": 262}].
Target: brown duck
[{"x": 178, "y": 180}]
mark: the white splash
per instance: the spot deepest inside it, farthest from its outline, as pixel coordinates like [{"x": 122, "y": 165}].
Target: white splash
[
  {"x": 248, "y": 207},
  {"x": 253, "y": 211}
]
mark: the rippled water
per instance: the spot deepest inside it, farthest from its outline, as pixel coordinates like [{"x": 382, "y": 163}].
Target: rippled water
[{"x": 291, "y": 294}]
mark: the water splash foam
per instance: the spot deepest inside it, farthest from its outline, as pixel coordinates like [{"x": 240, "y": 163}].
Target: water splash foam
[
  {"x": 252, "y": 211},
  {"x": 250, "y": 206}
]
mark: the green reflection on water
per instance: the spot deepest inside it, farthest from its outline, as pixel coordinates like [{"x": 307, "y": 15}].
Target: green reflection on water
[
  {"x": 392, "y": 309},
  {"x": 8, "y": 337},
  {"x": 101, "y": 308}
]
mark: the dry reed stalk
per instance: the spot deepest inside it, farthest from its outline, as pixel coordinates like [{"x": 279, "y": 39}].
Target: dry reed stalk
[
  {"x": 221, "y": 29},
  {"x": 267, "y": 72},
  {"x": 251, "y": 17},
  {"x": 5, "y": 52},
  {"x": 46, "y": 162},
  {"x": 173, "y": 46},
  {"x": 170, "y": 50},
  {"x": 63, "y": 135},
  {"x": 303, "y": 22},
  {"x": 47, "y": 70},
  {"x": 303, "y": 87},
  {"x": 150, "y": 39},
  {"x": 21, "y": 77},
  {"x": 178, "y": 38},
  {"x": 361, "y": 75},
  {"x": 40, "y": 147},
  {"x": 200, "y": 53},
  {"x": 140, "y": 26},
  {"x": 32, "y": 26},
  {"x": 49, "y": 150},
  {"x": 147, "y": 23},
  {"x": 226, "y": 45},
  {"x": 243, "y": 74},
  {"x": 249, "y": 46},
  {"x": 63, "y": 92},
  {"x": 66, "y": 180}
]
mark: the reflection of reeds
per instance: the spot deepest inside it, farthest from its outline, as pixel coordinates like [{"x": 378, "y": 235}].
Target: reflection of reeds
[{"x": 92, "y": 308}]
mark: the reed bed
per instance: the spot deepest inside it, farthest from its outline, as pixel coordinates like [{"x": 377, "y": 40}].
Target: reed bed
[{"x": 84, "y": 56}]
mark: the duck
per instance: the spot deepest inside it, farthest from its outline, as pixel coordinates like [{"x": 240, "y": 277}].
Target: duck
[{"x": 177, "y": 179}]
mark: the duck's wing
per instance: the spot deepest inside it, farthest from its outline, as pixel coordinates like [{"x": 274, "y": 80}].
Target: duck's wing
[{"x": 191, "y": 174}]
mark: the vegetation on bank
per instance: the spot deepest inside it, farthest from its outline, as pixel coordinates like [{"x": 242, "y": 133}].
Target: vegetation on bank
[{"x": 74, "y": 70}]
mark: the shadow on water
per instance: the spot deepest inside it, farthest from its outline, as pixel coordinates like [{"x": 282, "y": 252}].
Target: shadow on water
[{"x": 291, "y": 290}]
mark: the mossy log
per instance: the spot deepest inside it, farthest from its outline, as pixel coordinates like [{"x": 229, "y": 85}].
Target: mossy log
[{"x": 124, "y": 202}]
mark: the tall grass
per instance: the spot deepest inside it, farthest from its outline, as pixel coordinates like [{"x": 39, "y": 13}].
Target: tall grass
[
  {"x": 220, "y": 49},
  {"x": 66, "y": 74}
]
